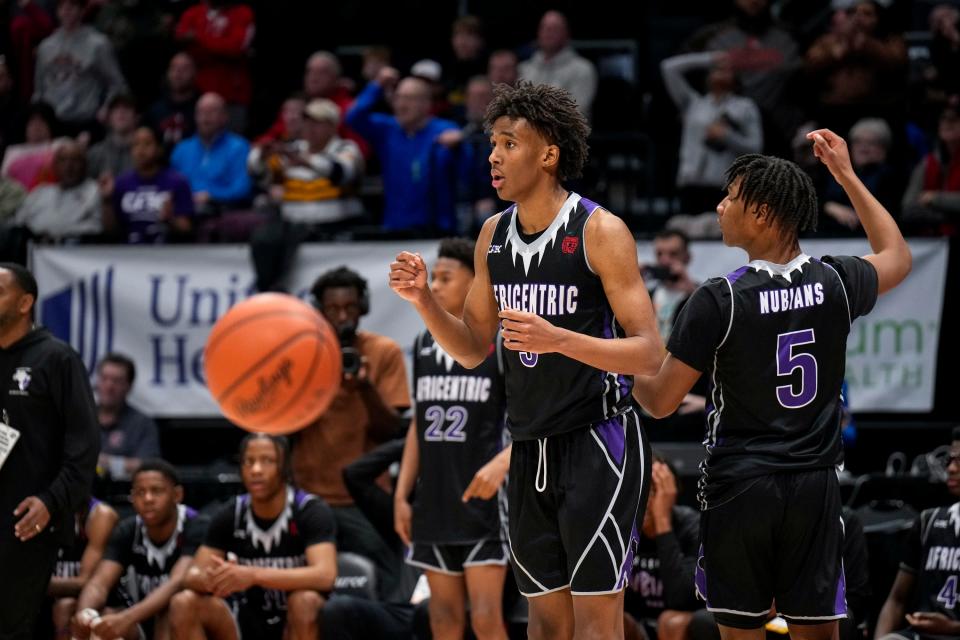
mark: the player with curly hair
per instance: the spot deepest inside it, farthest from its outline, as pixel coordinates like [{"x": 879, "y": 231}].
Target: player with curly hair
[{"x": 559, "y": 273}]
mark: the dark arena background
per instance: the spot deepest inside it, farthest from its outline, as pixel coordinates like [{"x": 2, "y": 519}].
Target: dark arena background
[{"x": 177, "y": 157}]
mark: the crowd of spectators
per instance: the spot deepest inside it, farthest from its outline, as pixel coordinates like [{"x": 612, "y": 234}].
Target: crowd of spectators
[{"x": 402, "y": 150}]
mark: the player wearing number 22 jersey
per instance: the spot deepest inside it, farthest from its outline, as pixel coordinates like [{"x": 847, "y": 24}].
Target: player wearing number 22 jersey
[
  {"x": 771, "y": 337},
  {"x": 460, "y": 428}
]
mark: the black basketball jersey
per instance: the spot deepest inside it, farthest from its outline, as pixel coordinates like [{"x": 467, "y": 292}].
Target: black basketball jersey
[
  {"x": 149, "y": 564},
  {"x": 773, "y": 340},
  {"x": 280, "y": 543},
  {"x": 460, "y": 428},
  {"x": 549, "y": 394},
  {"x": 69, "y": 557},
  {"x": 933, "y": 555}
]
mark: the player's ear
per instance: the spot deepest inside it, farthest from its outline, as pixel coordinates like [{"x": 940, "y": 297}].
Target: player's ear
[
  {"x": 762, "y": 212},
  {"x": 178, "y": 493},
  {"x": 25, "y": 303},
  {"x": 551, "y": 157}
]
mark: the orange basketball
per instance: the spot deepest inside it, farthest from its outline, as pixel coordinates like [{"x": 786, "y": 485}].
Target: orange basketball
[{"x": 272, "y": 363}]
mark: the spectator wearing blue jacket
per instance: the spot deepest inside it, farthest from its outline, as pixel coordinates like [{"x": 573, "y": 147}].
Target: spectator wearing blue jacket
[
  {"x": 214, "y": 160},
  {"x": 417, "y": 153}
]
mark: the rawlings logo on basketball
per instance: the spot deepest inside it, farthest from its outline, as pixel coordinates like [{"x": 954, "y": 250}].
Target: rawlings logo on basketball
[
  {"x": 570, "y": 244},
  {"x": 266, "y": 389}
]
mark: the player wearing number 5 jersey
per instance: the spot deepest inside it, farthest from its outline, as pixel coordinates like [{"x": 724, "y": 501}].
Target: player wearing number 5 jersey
[
  {"x": 560, "y": 275},
  {"x": 772, "y": 337},
  {"x": 454, "y": 453}
]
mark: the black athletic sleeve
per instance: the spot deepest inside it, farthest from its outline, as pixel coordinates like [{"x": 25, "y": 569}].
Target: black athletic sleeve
[
  {"x": 859, "y": 279},
  {"x": 316, "y": 523},
  {"x": 81, "y": 444},
  {"x": 677, "y": 551},
  {"x": 194, "y": 533},
  {"x": 912, "y": 558},
  {"x": 856, "y": 566},
  {"x": 220, "y": 531},
  {"x": 120, "y": 546},
  {"x": 701, "y": 325},
  {"x": 360, "y": 477}
]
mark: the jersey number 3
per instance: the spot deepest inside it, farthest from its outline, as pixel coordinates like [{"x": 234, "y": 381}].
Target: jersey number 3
[{"x": 789, "y": 359}]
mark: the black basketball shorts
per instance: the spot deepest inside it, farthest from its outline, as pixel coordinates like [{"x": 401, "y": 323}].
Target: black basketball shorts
[
  {"x": 451, "y": 559},
  {"x": 573, "y": 500},
  {"x": 779, "y": 540},
  {"x": 253, "y": 623}
]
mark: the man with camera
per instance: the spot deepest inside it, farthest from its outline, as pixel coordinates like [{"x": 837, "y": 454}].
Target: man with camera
[
  {"x": 670, "y": 286},
  {"x": 365, "y": 412},
  {"x": 669, "y": 283}
]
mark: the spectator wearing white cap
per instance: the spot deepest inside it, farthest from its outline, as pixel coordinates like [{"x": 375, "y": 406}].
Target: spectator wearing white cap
[{"x": 314, "y": 178}]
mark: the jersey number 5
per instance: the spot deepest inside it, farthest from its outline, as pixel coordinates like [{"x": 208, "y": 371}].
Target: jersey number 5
[
  {"x": 788, "y": 362},
  {"x": 438, "y": 419}
]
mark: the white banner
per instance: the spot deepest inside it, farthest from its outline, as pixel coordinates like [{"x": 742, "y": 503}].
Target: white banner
[{"x": 157, "y": 305}]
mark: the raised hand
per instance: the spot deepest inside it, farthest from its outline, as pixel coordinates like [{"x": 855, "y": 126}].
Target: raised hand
[
  {"x": 832, "y": 151},
  {"x": 408, "y": 277}
]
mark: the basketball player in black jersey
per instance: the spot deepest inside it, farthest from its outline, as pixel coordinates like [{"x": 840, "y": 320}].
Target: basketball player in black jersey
[
  {"x": 453, "y": 455},
  {"x": 268, "y": 556},
  {"x": 75, "y": 564},
  {"x": 772, "y": 338},
  {"x": 929, "y": 575},
  {"x": 560, "y": 274},
  {"x": 148, "y": 555}
]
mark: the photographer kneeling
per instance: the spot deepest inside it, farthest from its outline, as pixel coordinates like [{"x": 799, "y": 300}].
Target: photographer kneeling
[{"x": 365, "y": 412}]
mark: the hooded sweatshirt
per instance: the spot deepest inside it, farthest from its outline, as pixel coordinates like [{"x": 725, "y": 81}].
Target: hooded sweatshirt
[{"x": 46, "y": 396}]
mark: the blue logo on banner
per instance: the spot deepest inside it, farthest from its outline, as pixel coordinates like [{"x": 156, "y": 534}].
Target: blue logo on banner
[{"x": 82, "y": 315}]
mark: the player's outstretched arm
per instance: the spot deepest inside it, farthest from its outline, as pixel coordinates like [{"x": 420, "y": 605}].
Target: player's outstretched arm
[
  {"x": 895, "y": 608},
  {"x": 891, "y": 255},
  {"x": 612, "y": 253},
  {"x": 661, "y": 393},
  {"x": 467, "y": 340},
  {"x": 95, "y": 592}
]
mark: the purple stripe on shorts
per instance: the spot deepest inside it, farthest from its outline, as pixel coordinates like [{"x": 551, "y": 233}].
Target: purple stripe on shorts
[
  {"x": 626, "y": 574},
  {"x": 612, "y": 433},
  {"x": 840, "y": 603},
  {"x": 700, "y": 579}
]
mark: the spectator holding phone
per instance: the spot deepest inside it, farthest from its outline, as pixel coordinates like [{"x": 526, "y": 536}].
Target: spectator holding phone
[{"x": 718, "y": 126}]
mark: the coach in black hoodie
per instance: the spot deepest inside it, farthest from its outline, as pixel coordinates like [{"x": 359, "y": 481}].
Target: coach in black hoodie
[{"x": 46, "y": 403}]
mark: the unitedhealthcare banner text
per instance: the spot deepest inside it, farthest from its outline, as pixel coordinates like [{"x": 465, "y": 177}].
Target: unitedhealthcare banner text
[{"x": 157, "y": 304}]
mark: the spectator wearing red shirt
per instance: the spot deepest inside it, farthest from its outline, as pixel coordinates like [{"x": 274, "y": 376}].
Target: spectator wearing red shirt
[{"x": 217, "y": 34}]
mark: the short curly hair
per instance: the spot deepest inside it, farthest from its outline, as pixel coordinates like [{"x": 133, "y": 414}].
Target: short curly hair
[
  {"x": 553, "y": 113},
  {"x": 782, "y": 185},
  {"x": 459, "y": 249}
]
